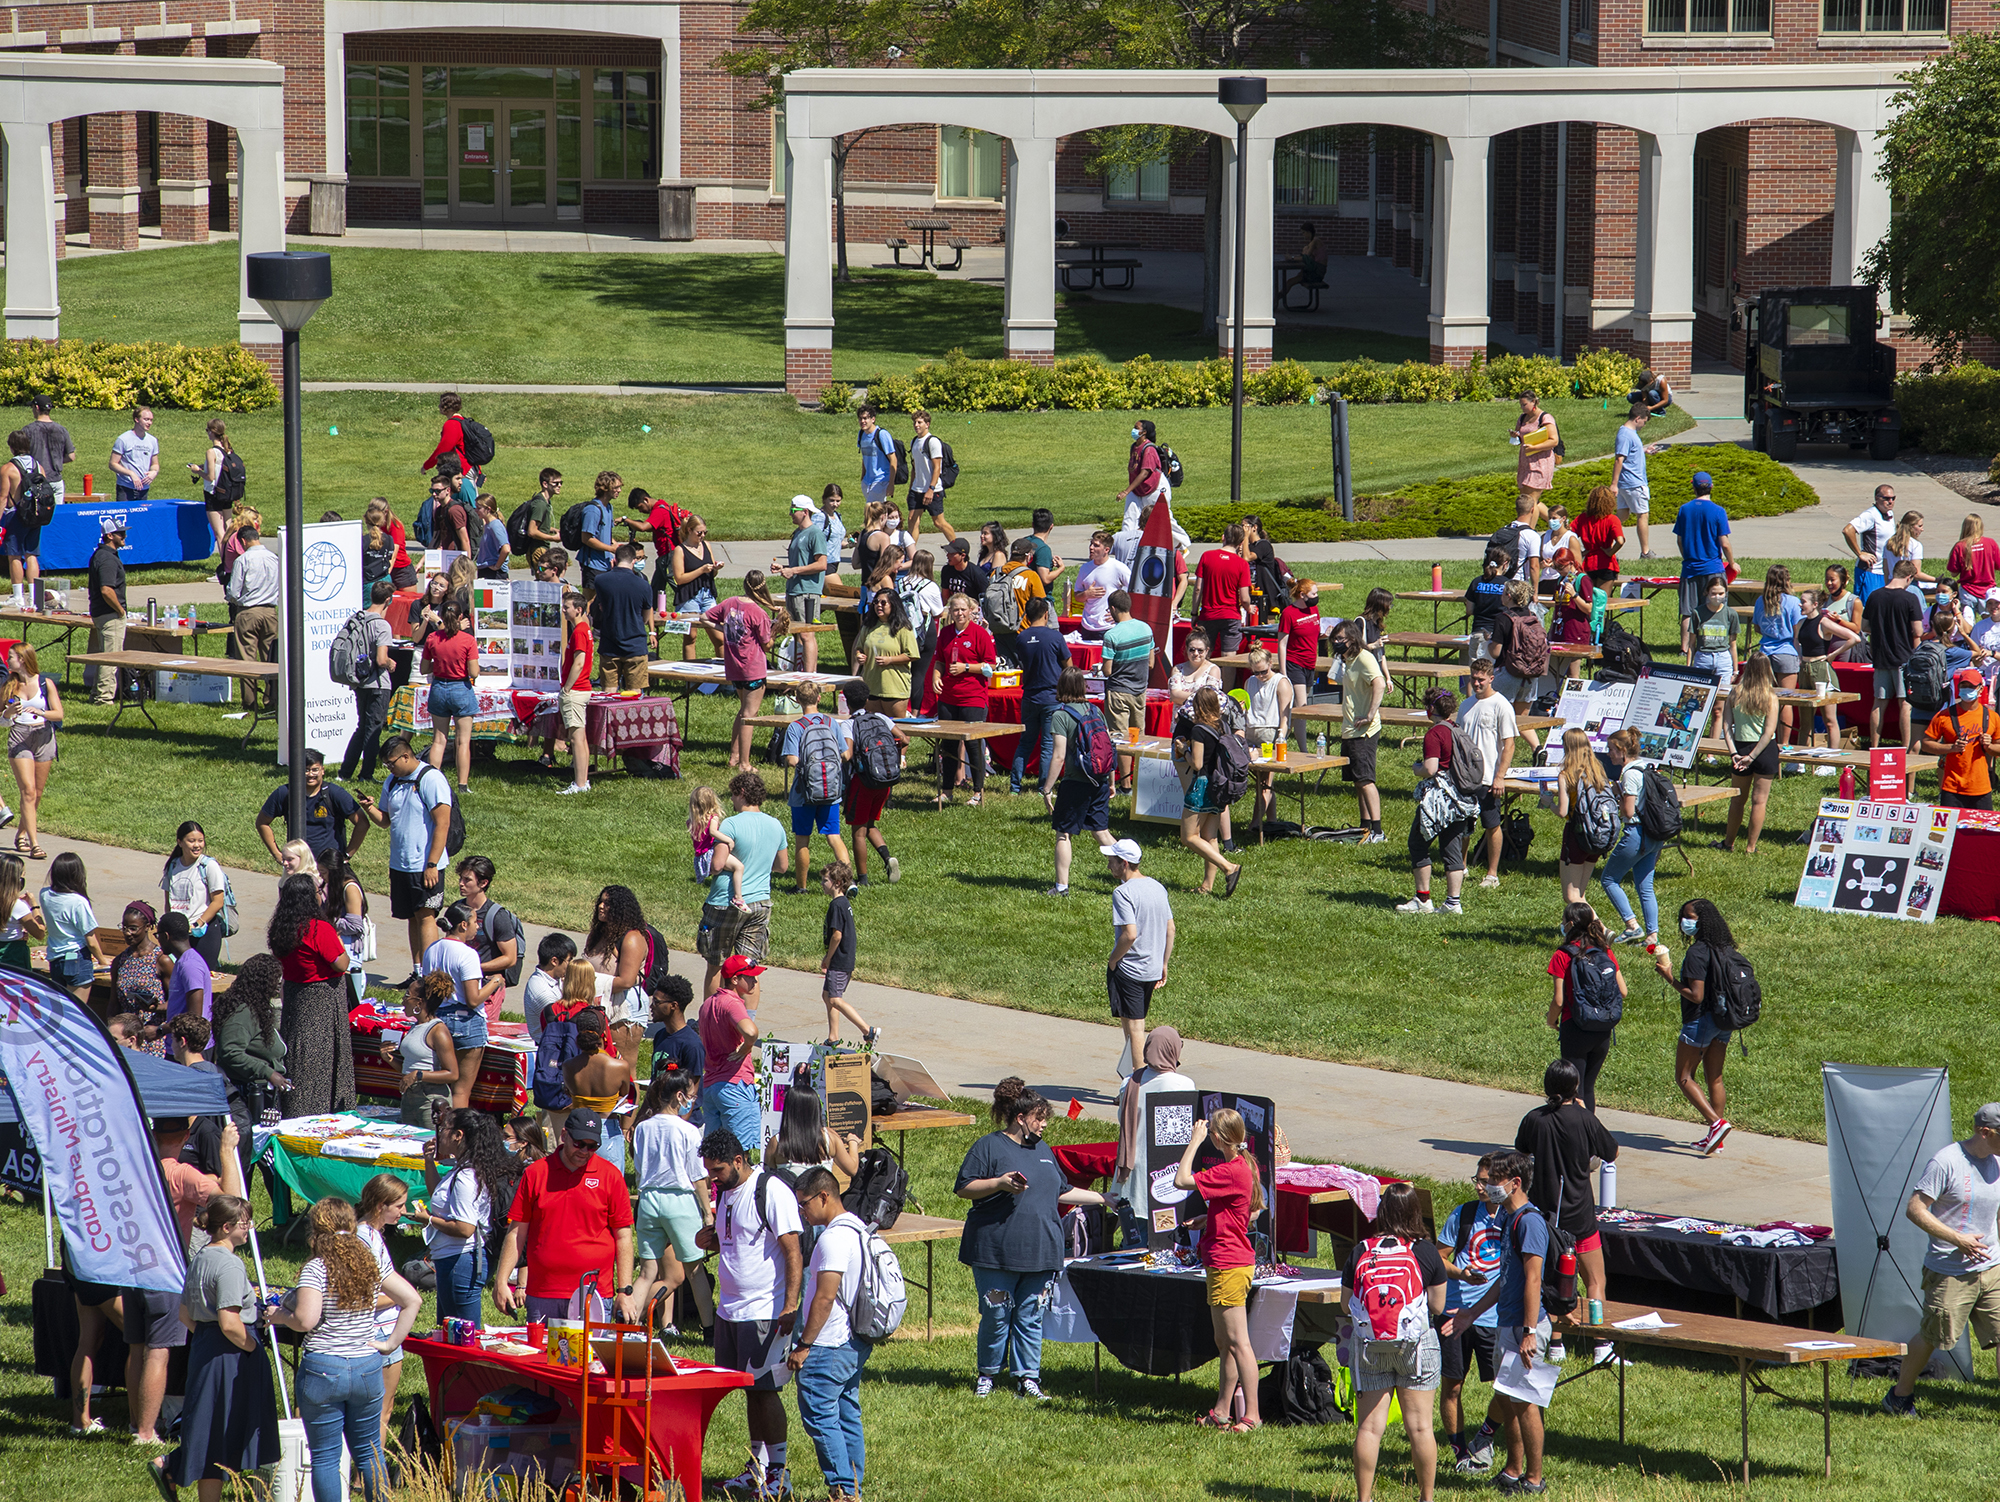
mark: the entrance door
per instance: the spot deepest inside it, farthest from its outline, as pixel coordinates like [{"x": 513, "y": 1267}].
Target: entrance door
[
  {"x": 529, "y": 190},
  {"x": 477, "y": 166}
]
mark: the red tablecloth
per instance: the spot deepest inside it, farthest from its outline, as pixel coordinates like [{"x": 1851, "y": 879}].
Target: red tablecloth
[
  {"x": 502, "y": 1086},
  {"x": 677, "y": 1421},
  {"x": 1088, "y": 655},
  {"x": 1972, "y": 880},
  {"x": 614, "y": 723},
  {"x": 397, "y": 611}
]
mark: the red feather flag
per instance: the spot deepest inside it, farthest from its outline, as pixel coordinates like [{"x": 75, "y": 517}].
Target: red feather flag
[{"x": 1152, "y": 586}]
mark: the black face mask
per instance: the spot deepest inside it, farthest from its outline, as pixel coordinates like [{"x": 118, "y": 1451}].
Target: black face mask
[{"x": 1031, "y": 1139}]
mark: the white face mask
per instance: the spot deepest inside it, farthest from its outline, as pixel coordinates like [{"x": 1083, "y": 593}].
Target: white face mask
[
  {"x": 1689, "y": 925},
  {"x": 1493, "y": 1194}
]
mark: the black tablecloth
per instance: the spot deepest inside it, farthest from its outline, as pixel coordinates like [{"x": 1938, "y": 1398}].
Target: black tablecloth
[
  {"x": 1646, "y": 1265},
  {"x": 1151, "y": 1322}
]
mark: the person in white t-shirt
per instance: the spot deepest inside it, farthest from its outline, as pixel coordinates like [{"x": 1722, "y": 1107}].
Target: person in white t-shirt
[
  {"x": 756, "y": 1232},
  {"x": 673, "y": 1208},
  {"x": 1867, "y": 537},
  {"x": 465, "y": 1015},
  {"x": 545, "y": 984},
  {"x": 828, "y": 1355},
  {"x": 1489, "y": 720},
  {"x": 1096, "y": 581},
  {"x": 1956, "y": 1202},
  {"x": 1557, "y": 537}
]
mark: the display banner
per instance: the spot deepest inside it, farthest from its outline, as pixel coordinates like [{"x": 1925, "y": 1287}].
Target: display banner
[
  {"x": 1884, "y": 859},
  {"x": 1669, "y": 708},
  {"x": 537, "y": 635},
  {"x": 332, "y": 559},
  {"x": 1169, "y": 1127},
  {"x": 80, "y": 1106}
]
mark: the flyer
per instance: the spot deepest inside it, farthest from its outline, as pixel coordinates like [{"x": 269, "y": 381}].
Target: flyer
[
  {"x": 1597, "y": 708},
  {"x": 1885, "y": 860},
  {"x": 489, "y": 625},
  {"x": 536, "y": 635}
]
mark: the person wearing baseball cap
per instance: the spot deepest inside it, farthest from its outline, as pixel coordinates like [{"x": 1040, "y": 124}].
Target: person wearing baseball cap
[
  {"x": 1963, "y": 734},
  {"x": 1142, "y": 932},
  {"x": 804, "y": 569},
  {"x": 1701, "y": 528},
  {"x": 107, "y": 605},
  {"x": 729, "y": 1044},
  {"x": 1954, "y": 1202},
  {"x": 571, "y": 1216},
  {"x": 961, "y": 575}
]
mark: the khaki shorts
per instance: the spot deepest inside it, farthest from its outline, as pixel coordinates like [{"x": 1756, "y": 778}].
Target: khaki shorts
[
  {"x": 575, "y": 701},
  {"x": 1229, "y": 1287},
  {"x": 1953, "y": 1299},
  {"x": 625, "y": 674},
  {"x": 1123, "y": 711}
]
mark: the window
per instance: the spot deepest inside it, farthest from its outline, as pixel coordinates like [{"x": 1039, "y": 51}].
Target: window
[
  {"x": 1853, "y": 16},
  {"x": 1710, "y": 17},
  {"x": 624, "y": 124},
  {"x": 1308, "y": 168},
  {"x": 378, "y": 119},
  {"x": 1146, "y": 183},
  {"x": 1815, "y": 323},
  {"x": 968, "y": 163},
  {"x": 437, "y": 155}
]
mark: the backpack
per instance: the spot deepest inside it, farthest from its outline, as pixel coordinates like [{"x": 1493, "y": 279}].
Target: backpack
[
  {"x": 1596, "y": 820},
  {"x": 1659, "y": 807},
  {"x": 1558, "y": 1293},
  {"x": 820, "y": 778},
  {"x": 1517, "y": 833},
  {"x": 1170, "y": 466},
  {"x": 878, "y": 760},
  {"x": 454, "y": 833},
  {"x": 878, "y": 1190},
  {"x": 420, "y": 529},
  {"x": 230, "y": 478},
  {"x": 487, "y": 916},
  {"x": 1387, "y": 1299},
  {"x": 1231, "y": 773},
  {"x": 476, "y": 441},
  {"x": 1465, "y": 765},
  {"x": 1925, "y": 677},
  {"x": 1595, "y": 1003},
  {"x": 947, "y": 475},
  {"x": 229, "y": 918},
  {"x": 517, "y": 529},
  {"x": 881, "y": 1298},
  {"x": 1090, "y": 752},
  {"x": 1441, "y": 806},
  {"x": 1508, "y": 541},
  {"x": 570, "y": 528},
  {"x": 898, "y": 456},
  {"x": 36, "y": 503},
  {"x": 1737, "y": 1000},
  {"x": 1299, "y": 1390},
  {"x": 349, "y": 652},
  {"x": 1625, "y": 658},
  {"x": 557, "y": 1047},
  {"x": 998, "y": 604},
  {"x": 1526, "y": 654}
]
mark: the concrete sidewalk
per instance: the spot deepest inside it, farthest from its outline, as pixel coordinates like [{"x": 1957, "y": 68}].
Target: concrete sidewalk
[{"x": 1395, "y": 1122}]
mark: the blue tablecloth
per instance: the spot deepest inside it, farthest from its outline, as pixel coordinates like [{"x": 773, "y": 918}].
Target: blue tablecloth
[{"x": 155, "y": 532}]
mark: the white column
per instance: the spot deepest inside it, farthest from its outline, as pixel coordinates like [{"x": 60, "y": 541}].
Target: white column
[
  {"x": 261, "y": 216},
  {"x": 32, "y": 309},
  {"x": 1664, "y": 286},
  {"x": 1860, "y": 206},
  {"x": 1459, "y": 278},
  {"x": 1257, "y": 295},
  {"x": 1029, "y": 318},
  {"x": 808, "y": 262}
]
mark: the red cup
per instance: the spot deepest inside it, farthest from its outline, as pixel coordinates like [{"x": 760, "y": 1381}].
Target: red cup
[{"x": 538, "y": 1333}]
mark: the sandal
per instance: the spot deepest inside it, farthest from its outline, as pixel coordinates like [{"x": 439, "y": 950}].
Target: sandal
[
  {"x": 1212, "y": 1420},
  {"x": 1243, "y": 1426},
  {"x": 36, "y": 853},
  {"x": 157, "y": 1469}
]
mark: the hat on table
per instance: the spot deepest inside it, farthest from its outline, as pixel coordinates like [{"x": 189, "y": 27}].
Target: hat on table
[{"x": 585, "y": 1127}]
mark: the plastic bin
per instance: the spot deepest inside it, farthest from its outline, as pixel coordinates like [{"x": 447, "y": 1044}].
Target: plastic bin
[{"x": 483, "y": 1445}]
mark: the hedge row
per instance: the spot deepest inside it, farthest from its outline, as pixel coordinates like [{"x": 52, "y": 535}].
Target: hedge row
[
  {"x": 1954, "y": 411},
  {"x": 198, "y": 378},
  {"x": 1746, "y": 483},
  {"x": 957, "y": 384}
]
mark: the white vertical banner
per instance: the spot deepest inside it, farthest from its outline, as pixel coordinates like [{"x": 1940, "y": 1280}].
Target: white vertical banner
[{"x": 332, "y": 557}]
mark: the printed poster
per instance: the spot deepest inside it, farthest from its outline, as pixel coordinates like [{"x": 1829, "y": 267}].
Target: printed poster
[
  {"x": 330, "y": 554},
  {"x": 536, "y": 635},
  {"x": 1597, "y": 707},
  {"x": 1171, "y": 1115},
  {"x": 1670, "y": 709},
  {"x": 1884, "y": 860},
  {"x": 490, "y": 627}
]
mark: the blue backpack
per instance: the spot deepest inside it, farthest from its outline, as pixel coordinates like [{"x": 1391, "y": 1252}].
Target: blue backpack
[
  {"x": 558, "y": 1046},
  {"x": 421, "y": 527}
]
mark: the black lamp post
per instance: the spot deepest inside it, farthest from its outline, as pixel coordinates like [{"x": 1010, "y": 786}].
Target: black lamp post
[
  {"x": 1242, "y": 97},
  {"x": 290, "y": 286}
]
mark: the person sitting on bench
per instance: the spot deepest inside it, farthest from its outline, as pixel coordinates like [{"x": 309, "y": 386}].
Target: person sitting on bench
[{"x": 1312, "y": 267}]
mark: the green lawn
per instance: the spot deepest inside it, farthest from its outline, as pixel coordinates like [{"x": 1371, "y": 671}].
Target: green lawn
[
  {"x": 431, "y": 315},
  {"x": 1309, "y": 958},
  {"x": 738, "y": 460},
  {"x": 1132, "y": 1437}
]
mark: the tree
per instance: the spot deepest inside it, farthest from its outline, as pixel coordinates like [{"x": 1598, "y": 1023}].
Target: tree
[{"x": 1941, "y": 160}]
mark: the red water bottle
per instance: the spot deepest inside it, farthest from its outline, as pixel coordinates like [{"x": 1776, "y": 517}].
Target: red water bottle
[
  {"x": 1847, "y": 782},
  {"x": 1437, "y": 578},
  {"x": 1566, "y": 1263}
]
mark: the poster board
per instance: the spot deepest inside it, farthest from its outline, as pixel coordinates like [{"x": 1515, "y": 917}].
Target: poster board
[
  {"x": 536, "y": 631},
  {"x": 491, "y": 607},
  {"x": 1159, "y": 796},
  {"x": 839, "y": 1076},
  {"x": 1597, "y": 707},
  {"x": 1884, "y": 860},
  {"x": 330, "y": 553},
  {"x": 1669, "y": 708},
  {"x": 1169, "y": 1125}
]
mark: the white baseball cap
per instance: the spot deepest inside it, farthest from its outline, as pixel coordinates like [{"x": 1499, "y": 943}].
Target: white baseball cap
[{"x": 1127, "y": 851}]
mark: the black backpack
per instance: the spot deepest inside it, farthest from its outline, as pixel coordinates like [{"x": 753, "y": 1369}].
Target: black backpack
[
  {"x": 1558, "y": 1292},
  {"x": 878, "y": 1190},
  {"x": 570, "y": 528},
  {"x": 1595, "y": 1004},
  {"x": 1299, "y": 1390},
  {"x": 454, "y": 832},
  {"x": 878, "y": 760},
  {"x": 517, "y": 529},
  {"x": 478, "y": 442},
  {"x": 1659, "y": 807},
  {"x": 1508, "y": 541},
  {"x": 1170, "y": 466},
  {"x": 947, "y": 475},
  {"x": 1230, "y": 775},
  {"x": 1517, "y": 833},
  {"x": 1736, "y": 998},
  {"x": 490, "y": 914},
  {"x": 1625, "y": 658},
  {"x": 36, "y": 502},
  {"x": 1925, "y": 676},
  {"x": 230, "y": 478}
]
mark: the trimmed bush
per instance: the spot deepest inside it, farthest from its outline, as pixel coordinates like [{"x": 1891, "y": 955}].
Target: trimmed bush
[
  {"x": 201, "y": 378},
  {"x": 1955, "y": 411},
  {"x": 1604, "y": 372},
  {"x": 836, "y": 397},
  {"x": 1513, "y": 374},
  {"x": 1747, "y": 484}
]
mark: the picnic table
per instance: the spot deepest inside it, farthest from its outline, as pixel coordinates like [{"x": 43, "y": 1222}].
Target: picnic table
[
  {"x": 1693, "y": 797},
  {"x": 1282, "y": 295},
  {"x": 1096, "y": 264},
  {"x": 1742, "y": 1341},
  {"x": 1817, "y": 756},
  {"x": 966, "y": 732},
  {"x": 930, "y": 1230},
  {"x": 1262, "y": 768},
  {"x": 1436, "y": 641},
  {"x": 930, "y": 229},
  {"x": 1438, "y": 599},
  {"x": 910, "y": 1118},
  {"x": 140, "y": 636},
  {"x": 215, "y": 667}
]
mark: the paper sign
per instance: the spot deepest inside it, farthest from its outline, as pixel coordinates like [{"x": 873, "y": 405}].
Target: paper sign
[
  {"x": 1888, "y": 780},
  {"x": 1885, "y": 860}
]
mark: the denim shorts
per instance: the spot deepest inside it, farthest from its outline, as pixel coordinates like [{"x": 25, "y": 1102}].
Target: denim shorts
[
  {"x": 452, "y": 701},
  {"x": 72, "y": 969},
  {"x": 1380, "y": 1365},
  {"x": 1784, "y": 664},
  {"x": 467, "y": 1029},
  {"x": 1703, "y": 1031}
]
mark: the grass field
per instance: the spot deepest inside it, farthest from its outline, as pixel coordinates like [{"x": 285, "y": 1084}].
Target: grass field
[
  {"x": 701, "y": 449},
  {"x": 1132, "y": 1437},
  {"x": 1308, "y": 959},
  {"x": 533, "y": 319}
]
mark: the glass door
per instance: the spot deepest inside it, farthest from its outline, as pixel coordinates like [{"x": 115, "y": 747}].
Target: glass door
[
  {"x": 476, "y": 166},
  {"x": 528, "y": 178}
]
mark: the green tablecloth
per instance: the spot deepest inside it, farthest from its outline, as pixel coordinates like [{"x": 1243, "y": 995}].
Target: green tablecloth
[{"x": 314, "y": 1178}]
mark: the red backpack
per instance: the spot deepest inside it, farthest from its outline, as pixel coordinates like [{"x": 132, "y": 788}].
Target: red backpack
[
  {"x": 1093, "y": 749},
  {"x": 1388, "y": 1301}
]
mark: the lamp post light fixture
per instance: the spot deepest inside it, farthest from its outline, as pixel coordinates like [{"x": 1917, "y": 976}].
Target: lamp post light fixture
[
  {"x": 1242, "y": 97},
  {"x": 290, "y": 285}
]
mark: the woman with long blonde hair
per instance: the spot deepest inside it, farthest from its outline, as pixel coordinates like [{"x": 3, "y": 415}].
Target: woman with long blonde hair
[
  {"x": 1975, "y": 563},
  {"x": 1581, "y": 782},
  {"x": 1906, "y": 542},
  {"x": 1232, "y": 1192},
  {"x": 1753, "y": 723}
]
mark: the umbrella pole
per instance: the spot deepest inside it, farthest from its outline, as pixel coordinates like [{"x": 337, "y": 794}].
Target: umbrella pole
[
  {"x": 48, "y": 1214},
  {"x": 263, "y": 1295}
]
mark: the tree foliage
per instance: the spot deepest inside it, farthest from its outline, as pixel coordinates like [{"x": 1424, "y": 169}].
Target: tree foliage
[{"x": 1941, "y": 159}]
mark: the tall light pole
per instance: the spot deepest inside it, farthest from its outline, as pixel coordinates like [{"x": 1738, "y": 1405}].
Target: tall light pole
[
  {"x": 290, "y": 285},
  {"x": 1242, "y": 97}
]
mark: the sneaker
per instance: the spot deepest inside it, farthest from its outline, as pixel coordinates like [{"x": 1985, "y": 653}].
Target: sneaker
[
  {"x": 983, "y": 1388},
  {"x": 872, "y": 1037},
  {"x": 1822, "y": 771},
  {"x": 1417, "y": 905},
  {"x": 895, "y": 870},
  {"x": 1475, "y": 1463},
  {"x": 853, "y": 890},
  {"x": 1451, "y": 907},
  {"x": 1056, "y": 892},
  {"x": 1629, "y": 936},
  {"x": 1506, "y": 1485},
  {"x": 574, "y": 787},
  {"x": 1488, "y": 882},
  {"x": 746, "y": 1482},
  {"x": 1537, "y": 1488},
  {"x": 1376, "y": 838},
  {"x": 1716, "y": 1133},
  {"x": 1902, "y": 1408},
  {"x": 6, "y": 816},
  {"x": 1479, "y": 1451},
  {"x": 1649, "y": 555},
  {"x": 1230, "y": 847},
  {"x": 1031, "y": 1388},
  {"x": 777, "y": 1485}
]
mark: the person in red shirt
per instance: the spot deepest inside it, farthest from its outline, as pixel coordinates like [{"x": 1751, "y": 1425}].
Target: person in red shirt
[
  {"x": 571, "y": 1218},
  {"x": 1586, "y": 1048},
  {"x": 664, "y": 519},
  {"x": 1975, "y": 560},
  {"x": 1602, "y": 535},
  {"x": 1298, "y": 624},
  {"x": 1964, "y": 734},
  {"x": 451, "y": 657},
  {"x": 961, "y": 672},
  {"x": 573, "y": 694},
  {"x": 1233, "y": 1195},
  {"x": 319, "y": 1057},
  {"x": 1225, "y": 591},
  {"x": 451, "y": 440}
]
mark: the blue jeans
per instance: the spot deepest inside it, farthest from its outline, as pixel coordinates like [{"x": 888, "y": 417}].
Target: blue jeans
[
  {"x": 342, "y": 1396},
  {"x": 1011, "y": 1305},
  {"x": 1035, "y": 730},
  {"x": 829, "y": 1390},
  {"x": 734, "y": 1106},
  {"x": 1635, "y": 855},
  {"x": 461, "y": 1280},
  {"x": 612, "y": 1146}
]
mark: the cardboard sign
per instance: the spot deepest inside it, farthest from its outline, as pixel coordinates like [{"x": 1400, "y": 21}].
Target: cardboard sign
[
  {"x": 846, "y": 1088},
  {"x": 1888, "y": 780}
]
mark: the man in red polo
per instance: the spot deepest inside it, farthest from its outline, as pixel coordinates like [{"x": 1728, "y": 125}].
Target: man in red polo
[{"x": 572, "y": 1217}]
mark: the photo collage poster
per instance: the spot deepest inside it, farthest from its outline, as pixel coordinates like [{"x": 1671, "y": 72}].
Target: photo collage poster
[
  {"x": 1885, "y": 860},
  {"x": 489, "y": 626},
  {"x": 1670, "y": 708},
  {"x": 537, "y": 635},
  {"x": 1169, "y": 1125},
  {"x": 776, "y": 1070}
]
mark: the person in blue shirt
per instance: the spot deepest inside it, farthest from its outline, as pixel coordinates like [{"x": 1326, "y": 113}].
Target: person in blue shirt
[
  {"x": 878, "y": 458},
  {"x": 1043, "y": 655},
  {"x": 1521, "y": 1326},
  {"x": 833, "y": 529},
  {"x": 598, "y": 549},
  {"x": 494, "y": 548},
  {"x": 1471, "y": 1246},
  {"x": 1701, "y": 527},
  {"x": 1776, "y": 615},
  {"x": 1628, "y": 473}
]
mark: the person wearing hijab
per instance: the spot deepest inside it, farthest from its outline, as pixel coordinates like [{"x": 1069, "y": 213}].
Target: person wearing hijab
[{"x": 1128, "y": 1185}]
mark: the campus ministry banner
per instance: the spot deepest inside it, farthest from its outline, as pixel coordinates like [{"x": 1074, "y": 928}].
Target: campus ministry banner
[
  {"x": 80, "y": 1107},
  {"x": 1886, "y": 860},
  {"x": 332, "y": 567}
]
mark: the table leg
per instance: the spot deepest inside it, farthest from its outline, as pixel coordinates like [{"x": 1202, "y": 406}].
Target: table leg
[
  {"x": 1743, "y": 1394},
  {"x": 1620, "y": 1355},
  {"x": 1096, "y": 1366},
  {"x": 930, "y": 1282}
]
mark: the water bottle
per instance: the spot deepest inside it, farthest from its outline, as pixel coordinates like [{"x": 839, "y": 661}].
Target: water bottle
[
  {"x": 1607, "y": 1186},
  {"x": 1319, "y": 746},
  {"x": 1437, "y": 578},
  {"x": 1847, "y": 782}
]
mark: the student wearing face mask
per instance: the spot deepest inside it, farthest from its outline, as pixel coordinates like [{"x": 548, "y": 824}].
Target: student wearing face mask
[
  {"x": 673, "y": 1185},
  {"x": 1962, "y": 733},
  {"x": 1704, "y": 1037},
  {"x": 1471, "y": 1242}
]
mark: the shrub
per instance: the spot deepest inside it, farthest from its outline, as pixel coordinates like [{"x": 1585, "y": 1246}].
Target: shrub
[
  {"x": 1415, "y": 381},
  {"x": 1361, "y": 380},
  {"x": 1086, "y": 386},
  {"x": 1604, "y": 372},
  {"x": 837, "y": 397},
  {"x": 194, "y": 378},
  {"x": 1284, "y": 384},
  {"x": 1954, "y": 411},
  {"x": 1513, "y": 374}
]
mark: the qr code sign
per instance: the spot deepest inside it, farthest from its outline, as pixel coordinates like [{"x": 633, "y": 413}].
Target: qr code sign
[{"x": 1173, "y": 1126}]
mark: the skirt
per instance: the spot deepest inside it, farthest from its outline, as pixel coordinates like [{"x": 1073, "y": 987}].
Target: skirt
[
  {"x": 230, "y": 1420},
  {"x": 319, "y": 1057}
]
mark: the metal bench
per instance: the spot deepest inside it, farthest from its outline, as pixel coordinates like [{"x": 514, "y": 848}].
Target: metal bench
[
  {"x": 958, "y": 245},
  {"x": 1097, "y": 270},
  {"x": 897, "y": 245},
  {"x": 1312, "y": 291}
]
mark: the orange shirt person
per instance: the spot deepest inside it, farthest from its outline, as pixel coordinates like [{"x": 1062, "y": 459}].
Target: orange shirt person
[{"x": 1966, "y": 733}]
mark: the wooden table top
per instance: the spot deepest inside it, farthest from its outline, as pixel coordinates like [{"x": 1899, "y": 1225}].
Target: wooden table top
[
  {"x": 1820, "y": 756},
  {"x": 1416, "y": 717},
  {"x": 1691, "y": 794},
  {"x": 1718, "y": 1335},
  {"x": 957, "y": 730},
  {"x": 1425, "y": 639},
  {"x": 1159, "y": 747},
  {"x": 218, "y": 667},
  {"x": 916, "y": 1118},
  {"x": 710, "y": 671},
  {"x": 1807, "y": 696},
  {"x": 909, "y": 1228}
]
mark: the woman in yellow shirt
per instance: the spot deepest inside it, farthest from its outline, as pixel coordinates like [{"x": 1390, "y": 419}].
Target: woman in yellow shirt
[{"x": 888, "y": 654}]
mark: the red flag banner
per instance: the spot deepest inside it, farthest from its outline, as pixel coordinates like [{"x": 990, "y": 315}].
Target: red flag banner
[{"x": 1152, "y": 586}]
